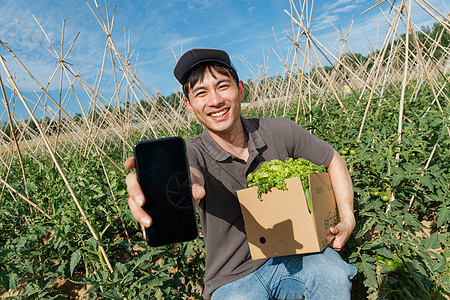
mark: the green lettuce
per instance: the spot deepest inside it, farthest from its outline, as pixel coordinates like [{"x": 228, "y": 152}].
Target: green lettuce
[{"x": 274, "y": 173}]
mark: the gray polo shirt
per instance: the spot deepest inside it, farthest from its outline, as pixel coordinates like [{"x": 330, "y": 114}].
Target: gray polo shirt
[{"x": 227, "y": 253}]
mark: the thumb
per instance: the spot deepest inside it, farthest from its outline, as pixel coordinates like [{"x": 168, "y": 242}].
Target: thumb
[
  {"x": 334, "y": 230},
  {"x": 198, "y": 192}
]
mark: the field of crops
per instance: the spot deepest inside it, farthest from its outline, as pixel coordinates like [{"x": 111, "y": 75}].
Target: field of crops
[{"x": 65, "y": 227}]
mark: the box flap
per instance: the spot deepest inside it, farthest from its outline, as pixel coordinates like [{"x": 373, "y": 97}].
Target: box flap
[
  {"x": 280, "y": 224},
  {"x": 323, "y": 220},
  {"x": 323, "y": 206},
  {"x": 321, "y": 191}
]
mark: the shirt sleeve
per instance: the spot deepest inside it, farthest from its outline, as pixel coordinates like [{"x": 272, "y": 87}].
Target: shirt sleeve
[{"x": 302, "y": 144}]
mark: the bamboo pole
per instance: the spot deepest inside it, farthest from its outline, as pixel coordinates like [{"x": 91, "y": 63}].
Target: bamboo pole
[
  {"x": 54, "y": 102},
  {"x": 410, "y": 28},
  {"x": 382, "y": 53},
  {"x": 49, "y": 148},
  {"x": 426, "y": 167},
  {"x": 404, "y": 82},
  {"x": 13, "y": 134},
  {"x": 60, "y": 88},
  {"x": 435, "y": 96},
  {"x": 114, "y": 197},
  {"x": 25, "y": 198}
]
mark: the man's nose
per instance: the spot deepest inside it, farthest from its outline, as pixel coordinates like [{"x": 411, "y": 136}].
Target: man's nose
[{"x": 215, "y": 99}]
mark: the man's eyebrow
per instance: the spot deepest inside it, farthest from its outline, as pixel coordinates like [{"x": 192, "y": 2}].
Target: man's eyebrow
[
  {"x": 200, "y": 87},
  {"x": 223, "y": 80}
]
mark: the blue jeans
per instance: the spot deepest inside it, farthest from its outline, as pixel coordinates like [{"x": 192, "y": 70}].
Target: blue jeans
[{"x": 321, "y": 275}]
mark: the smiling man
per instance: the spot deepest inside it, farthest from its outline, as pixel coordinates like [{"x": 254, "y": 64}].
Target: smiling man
[{"x": 220, "y": 159}]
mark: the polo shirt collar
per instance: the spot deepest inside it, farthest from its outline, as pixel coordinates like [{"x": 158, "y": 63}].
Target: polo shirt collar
[{"x": 255, "y": 141}]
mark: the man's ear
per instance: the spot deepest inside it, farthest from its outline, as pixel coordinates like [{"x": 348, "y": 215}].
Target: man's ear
[
  {"x": 188, "y": 104},
  {"x": 241, "y": 90}
]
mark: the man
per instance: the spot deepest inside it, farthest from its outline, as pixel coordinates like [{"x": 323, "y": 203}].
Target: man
[{"x": 220, "y": 159}]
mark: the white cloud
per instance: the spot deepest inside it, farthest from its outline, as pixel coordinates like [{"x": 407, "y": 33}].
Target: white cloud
[
  {"x": 86, "y": 54},
  {"x": 324, "y": 22},
  {"x": 338, "y": 3},
  {"x": 347, "y": 8}
]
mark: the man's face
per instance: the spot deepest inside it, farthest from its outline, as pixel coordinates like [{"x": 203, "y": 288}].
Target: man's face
[{"x": 216, "y": 102}]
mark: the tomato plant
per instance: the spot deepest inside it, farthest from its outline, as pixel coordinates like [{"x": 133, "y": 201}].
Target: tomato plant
[
  {"x": 384, "y": 196},
  {"x": 402, "y": 208},
  {"x": 400, "y": 247}
]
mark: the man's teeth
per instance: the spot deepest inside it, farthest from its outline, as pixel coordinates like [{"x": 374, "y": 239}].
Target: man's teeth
[{"x": 220, "y": 113}]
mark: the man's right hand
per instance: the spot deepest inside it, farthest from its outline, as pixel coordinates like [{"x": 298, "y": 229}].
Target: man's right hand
[{"x": 136, "y": 198}]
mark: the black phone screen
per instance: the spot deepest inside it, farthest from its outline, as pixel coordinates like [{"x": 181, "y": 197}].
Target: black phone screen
[{"x": 163, "y": 174}]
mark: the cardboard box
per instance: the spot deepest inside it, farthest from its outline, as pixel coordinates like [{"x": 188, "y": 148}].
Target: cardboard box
[{"x": 282, "y": 225}]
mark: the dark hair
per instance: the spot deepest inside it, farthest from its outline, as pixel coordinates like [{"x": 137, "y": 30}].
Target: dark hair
[{"x": 197, "y": 74}]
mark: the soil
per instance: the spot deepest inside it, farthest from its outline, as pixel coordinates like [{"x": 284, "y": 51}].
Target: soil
[{"x": 359, "y": 291}]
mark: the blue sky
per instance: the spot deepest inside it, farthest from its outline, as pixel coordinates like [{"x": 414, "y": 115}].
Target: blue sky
[{"x": 246, "y": 29}]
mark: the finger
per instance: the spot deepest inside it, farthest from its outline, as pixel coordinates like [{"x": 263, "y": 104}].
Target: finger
[
  {"x": 134, "y": 189},
  {"x": 341, "y": 235},
  {"x": 129, "y": 164},
  {"x": 144, "y": 233},
  {"x": 335, "y": 244},
  {"x": 334, "y": 230},
  {"x": 198, "y": 192},
  {"x": 336, "y": 248},
  {"x": 139, "y": 214}
]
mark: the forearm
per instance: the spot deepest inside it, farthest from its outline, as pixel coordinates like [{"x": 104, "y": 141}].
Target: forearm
[{"x": 343, "y": 188}]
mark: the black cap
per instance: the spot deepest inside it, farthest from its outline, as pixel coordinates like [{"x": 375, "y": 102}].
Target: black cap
[{"x": 196, "y": 56}]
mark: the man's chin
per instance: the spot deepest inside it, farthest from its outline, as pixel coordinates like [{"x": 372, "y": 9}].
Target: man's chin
[{"x": 219, "y": 128}]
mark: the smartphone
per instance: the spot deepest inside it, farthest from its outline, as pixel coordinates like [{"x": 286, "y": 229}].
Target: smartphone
[{"x": 162, "y": 170}]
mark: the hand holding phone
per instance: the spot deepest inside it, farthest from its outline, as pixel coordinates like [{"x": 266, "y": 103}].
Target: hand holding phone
[{"x": 162, "y": 171}]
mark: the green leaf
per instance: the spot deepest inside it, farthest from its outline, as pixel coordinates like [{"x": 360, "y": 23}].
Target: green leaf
[
  {"x": 441, "y": 264},
  {"x": 366, "y": 227},
  {"x": 444, "y": 282},
  {"x": 120, "y": 267},
  {"x": 396, "y": 179},
  {"x": 432, "y": 241},
  {"x": 13, "y": 281},
  {"x": 443, "y": 215},
  {"x": 384, "y": 252},
  {"x": 426, "y": 181},
  {"x": 411, "y": 221},
  {"x": 369, "y": 273},
  {"x": 113, "y": 294},
  {"x": 74, "y": 260}
]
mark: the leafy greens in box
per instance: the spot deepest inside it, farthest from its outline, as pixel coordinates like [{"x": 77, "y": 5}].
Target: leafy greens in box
[{"x": 273, "y": 173}]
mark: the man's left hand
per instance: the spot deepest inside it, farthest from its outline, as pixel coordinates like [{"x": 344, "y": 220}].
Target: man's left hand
[{"x": 341, "y": 232}]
